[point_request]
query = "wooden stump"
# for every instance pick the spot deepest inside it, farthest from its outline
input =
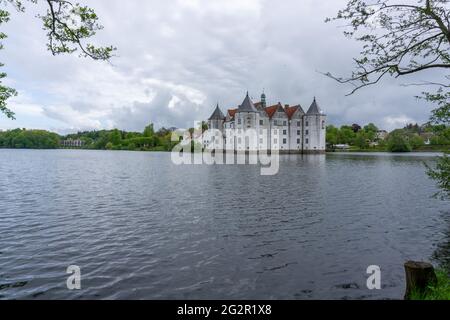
(419, 275)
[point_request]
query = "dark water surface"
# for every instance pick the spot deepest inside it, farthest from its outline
(142, 228)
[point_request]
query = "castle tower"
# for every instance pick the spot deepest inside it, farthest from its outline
(314, 130)
(247, 125)
(213, 139)
(263, 100)
(217, 119)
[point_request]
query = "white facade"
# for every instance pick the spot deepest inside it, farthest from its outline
(256, 127)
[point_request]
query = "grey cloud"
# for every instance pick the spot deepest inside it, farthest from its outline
(211, 51)
(157, 111)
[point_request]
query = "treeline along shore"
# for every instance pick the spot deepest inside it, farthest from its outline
(148, 140)
(412, 137)
(347, 137)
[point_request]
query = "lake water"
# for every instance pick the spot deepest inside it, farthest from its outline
(140, 227)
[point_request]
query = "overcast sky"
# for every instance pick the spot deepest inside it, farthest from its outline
(177, 59)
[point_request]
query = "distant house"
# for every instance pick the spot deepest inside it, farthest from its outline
(426, 136)
(71, 143)
(382, 135)
(342, 146)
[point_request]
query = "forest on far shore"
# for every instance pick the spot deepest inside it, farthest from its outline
(411, 138)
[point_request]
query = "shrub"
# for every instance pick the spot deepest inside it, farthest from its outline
(398, 142)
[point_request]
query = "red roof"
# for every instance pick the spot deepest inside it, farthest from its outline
(271, 110)
(232, 112)
(290, 111)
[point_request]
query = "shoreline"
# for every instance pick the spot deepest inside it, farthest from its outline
(442, 151)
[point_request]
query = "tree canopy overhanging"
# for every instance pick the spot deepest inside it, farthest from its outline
(402, 38)
(398, 38)
(68, 25)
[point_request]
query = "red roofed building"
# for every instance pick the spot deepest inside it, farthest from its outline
(258, 127)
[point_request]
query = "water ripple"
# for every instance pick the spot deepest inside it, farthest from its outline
(142, 228)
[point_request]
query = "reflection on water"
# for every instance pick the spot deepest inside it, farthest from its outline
(142, 228)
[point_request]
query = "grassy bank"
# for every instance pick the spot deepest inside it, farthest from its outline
(441, 291)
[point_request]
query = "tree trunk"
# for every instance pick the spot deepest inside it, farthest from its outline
(419, 275)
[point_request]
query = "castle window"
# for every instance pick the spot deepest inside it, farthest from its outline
(275, 122)
(323, 125)
(284, 123)
(284, 141)
(275, 131)
(298, 124)
(307, 124)
(307, 141)
(284, 132)
(298, 141)
(298, 132)
(307, 132)
(261, 122)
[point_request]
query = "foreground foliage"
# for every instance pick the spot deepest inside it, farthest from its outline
(69, 26)
(441, 174)
(440, 291)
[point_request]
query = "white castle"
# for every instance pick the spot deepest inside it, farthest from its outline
(254, 127)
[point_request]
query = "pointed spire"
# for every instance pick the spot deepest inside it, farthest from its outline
(217, 114)
(247, 105)
(314, 109)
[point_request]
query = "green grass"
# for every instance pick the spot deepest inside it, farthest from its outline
(441, 291)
